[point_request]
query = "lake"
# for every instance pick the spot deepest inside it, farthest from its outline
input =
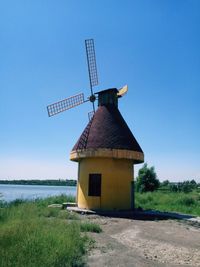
(12, 192)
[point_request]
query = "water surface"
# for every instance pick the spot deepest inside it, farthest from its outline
(11, 192)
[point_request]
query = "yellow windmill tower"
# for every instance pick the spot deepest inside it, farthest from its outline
(106, 151)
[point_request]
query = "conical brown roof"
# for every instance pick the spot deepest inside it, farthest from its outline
(107, 130)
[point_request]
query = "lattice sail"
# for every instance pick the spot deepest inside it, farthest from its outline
(65, 104)
(91, 59)
(90, 115)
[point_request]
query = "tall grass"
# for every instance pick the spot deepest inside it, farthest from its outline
(36, 236)
(90, 227)
(168, 201)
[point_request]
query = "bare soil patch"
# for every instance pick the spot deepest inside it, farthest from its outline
(141, 243)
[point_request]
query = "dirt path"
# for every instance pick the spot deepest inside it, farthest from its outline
(128, 242)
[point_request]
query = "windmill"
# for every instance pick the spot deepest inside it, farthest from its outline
(79, 99)
(106, 151)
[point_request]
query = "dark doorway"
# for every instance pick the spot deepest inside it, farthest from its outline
(94, 188)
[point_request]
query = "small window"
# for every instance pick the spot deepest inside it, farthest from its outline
(94, 188)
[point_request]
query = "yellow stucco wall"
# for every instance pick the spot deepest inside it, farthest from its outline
(116, 178)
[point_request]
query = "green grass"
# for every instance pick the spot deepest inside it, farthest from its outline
(90, 227)
(34, 235)
(188, 203)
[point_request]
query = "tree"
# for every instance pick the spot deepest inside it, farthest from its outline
(165, 183)
(147, 179)
(186, 186)
(173, 187)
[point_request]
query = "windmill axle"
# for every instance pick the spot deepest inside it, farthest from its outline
(92, 98)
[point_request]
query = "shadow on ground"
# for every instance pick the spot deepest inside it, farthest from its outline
(137, 214)
(149, 215)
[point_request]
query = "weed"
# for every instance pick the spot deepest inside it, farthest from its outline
(64, 214)
(90, 227)
(29, 238)
(51, 212)
(170, 201)
(187, 201)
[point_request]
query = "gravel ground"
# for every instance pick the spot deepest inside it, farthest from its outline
(141, 243)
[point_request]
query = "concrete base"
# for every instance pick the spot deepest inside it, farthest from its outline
(136, 214)
(65, 205)
(81, 211)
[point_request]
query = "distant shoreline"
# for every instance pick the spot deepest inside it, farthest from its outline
(40, 182)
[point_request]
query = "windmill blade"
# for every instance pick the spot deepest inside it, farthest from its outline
(90, 115)
(122, 91)
(91, 60)
(65, 104)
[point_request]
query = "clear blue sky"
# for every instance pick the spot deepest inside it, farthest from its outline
(153, 46)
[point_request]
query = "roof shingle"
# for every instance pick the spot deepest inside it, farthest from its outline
(107, 129)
